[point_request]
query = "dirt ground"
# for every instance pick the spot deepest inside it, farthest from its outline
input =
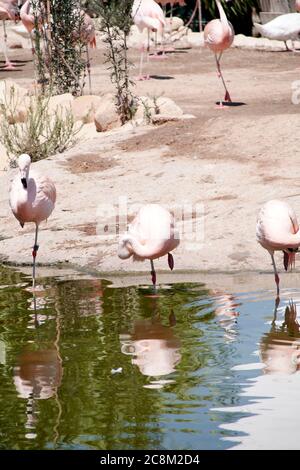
(224, 163)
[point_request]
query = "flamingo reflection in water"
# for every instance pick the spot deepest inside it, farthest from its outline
(37, 376)
(280, 348)
(155, 349)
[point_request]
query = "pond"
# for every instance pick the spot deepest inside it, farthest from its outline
(85, 365)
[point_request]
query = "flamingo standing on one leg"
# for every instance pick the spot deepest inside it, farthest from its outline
(151, 235)
(8, 11)
(147, 14)
(32, 199)
(218, 36)
(277, 229)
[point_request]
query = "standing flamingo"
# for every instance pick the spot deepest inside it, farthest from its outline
(27, 16)
(163, 3)
(277, 229)
(147, 14)
(8, 11)
(32, 199)
(218, 36)
(282, 28)
(151, 235)
(88, 36)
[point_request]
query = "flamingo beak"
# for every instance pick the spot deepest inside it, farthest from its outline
(24, 182)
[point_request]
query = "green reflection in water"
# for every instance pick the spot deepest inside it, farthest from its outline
(85, 365)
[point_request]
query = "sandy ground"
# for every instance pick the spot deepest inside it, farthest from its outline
(224, 164)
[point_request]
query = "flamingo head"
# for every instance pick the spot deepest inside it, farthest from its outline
(24, 162)
(125, 248)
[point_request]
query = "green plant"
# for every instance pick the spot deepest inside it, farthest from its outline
(59, 45)
(115, 25)
(42, 134)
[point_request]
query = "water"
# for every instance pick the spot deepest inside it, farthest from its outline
(89, 366)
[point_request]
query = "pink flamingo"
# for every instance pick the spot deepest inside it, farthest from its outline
(32, 199)
(8, 11)
(218, 36)
(151, 235)
(27, 17)
(277, 229)
(88, 36)
(163, 3)
(147, 14)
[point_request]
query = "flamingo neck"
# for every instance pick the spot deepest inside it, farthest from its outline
(222, 13)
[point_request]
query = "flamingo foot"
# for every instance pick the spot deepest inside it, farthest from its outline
(142, 78)
(9, 66)
(220, 105)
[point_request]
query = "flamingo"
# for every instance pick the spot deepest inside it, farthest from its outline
(163, 3)
(147, 14)
(218, 36)
(8, 11)
(151, 235)
(282, 28)
(88, 36)
(32, 199)
(277, 229)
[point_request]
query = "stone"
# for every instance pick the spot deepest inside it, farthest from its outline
(106, 116)
(60, 103)
(168, 107)
(174, 24)
(84, 107)
(159, 119)
(196, 39)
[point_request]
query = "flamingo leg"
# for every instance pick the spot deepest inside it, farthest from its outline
(141, 77)
(34, 253)
(276, 305)
(153, 274)
(275, 273)
(227, 97)
(88, 66)
(8, 64)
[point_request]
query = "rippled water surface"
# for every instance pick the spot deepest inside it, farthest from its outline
(85, 365)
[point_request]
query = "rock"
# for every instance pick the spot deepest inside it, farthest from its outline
(8, 88)
(158, 119)
(84, 107)
(168, 107)
(61, 103)
(175, 24)
(15, 100)
(106, 116)
(145, 107)
(157, 110)
(196, 39)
